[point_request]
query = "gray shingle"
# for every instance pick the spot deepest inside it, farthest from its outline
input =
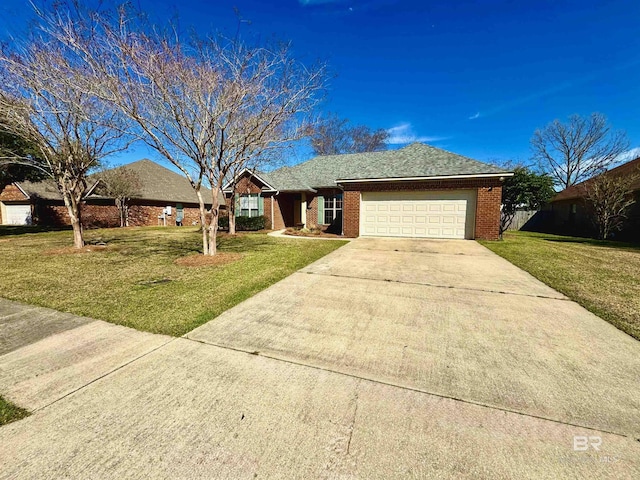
(415, 160)
(157, 183)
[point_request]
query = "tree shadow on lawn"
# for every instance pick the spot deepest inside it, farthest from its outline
(184, 242)
(595, 243)
(14, 230)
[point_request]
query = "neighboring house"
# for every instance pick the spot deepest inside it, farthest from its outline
(417, 191)
(164, 197)
(570, 214)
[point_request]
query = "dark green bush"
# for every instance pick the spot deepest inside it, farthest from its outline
(244, 223)
(223, 222)
(251, 223)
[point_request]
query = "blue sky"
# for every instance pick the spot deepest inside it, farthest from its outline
(476, 77)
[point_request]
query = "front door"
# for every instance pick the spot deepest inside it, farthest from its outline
(297, 210)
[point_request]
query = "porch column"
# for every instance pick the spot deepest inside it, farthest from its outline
(303, 208)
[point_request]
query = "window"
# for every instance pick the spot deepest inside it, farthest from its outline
(332, 208)
(249, 205)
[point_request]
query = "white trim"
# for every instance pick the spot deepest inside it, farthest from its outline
(23, 192)
(436, 177)
(253, 174)
(91, 189)
(303, 208)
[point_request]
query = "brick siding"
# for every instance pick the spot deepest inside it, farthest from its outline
(107, 216)
(11, 193)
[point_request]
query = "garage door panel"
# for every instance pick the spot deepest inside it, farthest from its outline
(17, 214)
(435, 214)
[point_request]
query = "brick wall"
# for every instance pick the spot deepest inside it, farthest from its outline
(11, 193)
(488, 212)
(351, 213)
(487, 205)
(106, 216)
(101, 213)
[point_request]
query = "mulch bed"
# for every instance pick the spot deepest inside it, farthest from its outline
(199, 260)
(298, 233)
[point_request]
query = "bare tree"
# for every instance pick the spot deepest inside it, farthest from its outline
(608, 198)
(122, 184)
(367, 140)
(43, 102)
(333, 136)
(209, 106)
(575, 151)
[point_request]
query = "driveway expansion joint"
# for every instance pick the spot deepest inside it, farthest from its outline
(435, 285)
(100, 377)
(406, 388)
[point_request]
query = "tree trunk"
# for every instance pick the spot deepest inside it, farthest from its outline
(203, 223)
(213, 226)
(232, 210)
(232, 219)
(120, 205)
(73, 208)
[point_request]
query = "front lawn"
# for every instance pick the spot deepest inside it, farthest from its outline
(604, 277)
(142, 279)
(10, 413)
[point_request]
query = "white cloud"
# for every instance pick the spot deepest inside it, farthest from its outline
(403, 134)
(474, 116)
(627, 156)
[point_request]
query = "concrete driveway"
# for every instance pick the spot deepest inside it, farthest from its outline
(384, 359)
(448, 318)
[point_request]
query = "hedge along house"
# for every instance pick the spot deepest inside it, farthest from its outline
(417, 191)
(164, 198)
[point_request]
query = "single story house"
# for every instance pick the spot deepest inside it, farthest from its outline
(570, 212)
(163, 198)
(417, 191)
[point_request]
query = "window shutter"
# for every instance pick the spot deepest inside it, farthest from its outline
(260, 205)
(236, 200)
(320, 210)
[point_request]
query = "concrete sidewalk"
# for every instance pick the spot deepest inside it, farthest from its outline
(53, 354)
(190, 410)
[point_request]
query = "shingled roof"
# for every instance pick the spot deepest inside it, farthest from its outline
(415, 160)
(163, 185)
(157, 183)
(578, 190)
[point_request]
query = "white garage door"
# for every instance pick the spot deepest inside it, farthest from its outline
(433, 214)
(17, 214)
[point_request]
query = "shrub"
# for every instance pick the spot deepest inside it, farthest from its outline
(244, 223)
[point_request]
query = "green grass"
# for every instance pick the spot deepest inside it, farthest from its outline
(135, 280)
(10, 413)
(602, 276)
